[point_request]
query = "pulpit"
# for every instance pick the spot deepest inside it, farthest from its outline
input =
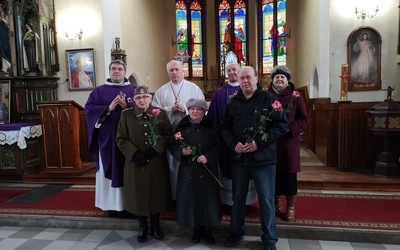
(64, 138)
(384, 121)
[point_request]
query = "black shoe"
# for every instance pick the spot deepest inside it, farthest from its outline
(208, 236)
(157, 233)
(112, 213)
(269, 247)
(197, 233)
(142, 235)
(155, 227)
(233, 240)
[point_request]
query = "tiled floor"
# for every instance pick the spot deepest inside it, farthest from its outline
(26, 238)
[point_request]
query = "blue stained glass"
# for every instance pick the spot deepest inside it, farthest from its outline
(196, 14)
(240, 13)
(282, 5)
(189, 46)
(224, 13)
(268, 8)
(181, 14)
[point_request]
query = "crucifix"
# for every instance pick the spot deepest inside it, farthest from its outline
(344, 85)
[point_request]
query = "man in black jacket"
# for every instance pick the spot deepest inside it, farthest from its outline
(252, 123)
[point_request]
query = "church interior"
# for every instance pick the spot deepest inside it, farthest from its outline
(354, 123)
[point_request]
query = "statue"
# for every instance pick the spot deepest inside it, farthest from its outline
(118, 53)
(117, 44)
(389, 92)
(31, 51)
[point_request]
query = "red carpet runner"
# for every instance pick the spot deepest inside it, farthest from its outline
(325, 210)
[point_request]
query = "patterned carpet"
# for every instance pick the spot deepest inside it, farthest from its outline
(312, 208)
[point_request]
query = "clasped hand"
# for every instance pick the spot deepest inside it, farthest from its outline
(186, 151)
(178, 108)
(246, 148)
(118, 101)
(201, 159)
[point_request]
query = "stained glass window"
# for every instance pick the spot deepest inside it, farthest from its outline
(274, 34)
(189, 38)
(233, 33)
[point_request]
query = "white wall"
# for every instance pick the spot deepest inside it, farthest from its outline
(342, 22)
(308, 44)
(146, 36)
(71, 16)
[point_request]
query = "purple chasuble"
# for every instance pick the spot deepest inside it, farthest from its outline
(216, 110)
(103, 138)
(219, 101)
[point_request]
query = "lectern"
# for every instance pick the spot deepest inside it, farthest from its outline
(64, 140)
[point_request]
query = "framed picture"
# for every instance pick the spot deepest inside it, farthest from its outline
(5, 111)
(81, 69)
(364, 59)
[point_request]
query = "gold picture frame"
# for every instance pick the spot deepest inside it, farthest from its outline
(364, 59)
(81, 69)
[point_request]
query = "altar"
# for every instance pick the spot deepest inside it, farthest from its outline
(20, 149)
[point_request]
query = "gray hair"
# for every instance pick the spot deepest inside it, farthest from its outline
(172, 61)
(236, 65)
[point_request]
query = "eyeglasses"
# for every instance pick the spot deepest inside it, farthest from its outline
(144, 97)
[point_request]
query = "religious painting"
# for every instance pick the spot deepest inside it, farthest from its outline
(81, 69)
(5, 111)
(364, 59)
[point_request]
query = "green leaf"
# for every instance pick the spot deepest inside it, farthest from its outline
(264, 137)
(263, 119)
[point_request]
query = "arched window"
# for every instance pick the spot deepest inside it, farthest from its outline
(190, 26)
(272, 34)
(232, 23)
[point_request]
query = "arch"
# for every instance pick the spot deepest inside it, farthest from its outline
(133, 79)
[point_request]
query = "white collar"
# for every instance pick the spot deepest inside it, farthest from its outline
(234, 84)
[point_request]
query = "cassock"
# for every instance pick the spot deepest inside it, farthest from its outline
(102, 127)
(216, 110)
(166, 97)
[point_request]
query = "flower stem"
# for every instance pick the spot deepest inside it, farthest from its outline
(212, 175)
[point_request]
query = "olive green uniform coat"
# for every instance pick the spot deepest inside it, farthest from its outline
(146, 189)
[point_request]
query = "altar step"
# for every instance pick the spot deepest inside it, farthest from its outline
(86, 176)
(311, 177)
(314, 175)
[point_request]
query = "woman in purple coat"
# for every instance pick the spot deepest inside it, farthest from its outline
(288, 147)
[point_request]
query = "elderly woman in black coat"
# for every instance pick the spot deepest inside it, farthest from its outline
(197, 147)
